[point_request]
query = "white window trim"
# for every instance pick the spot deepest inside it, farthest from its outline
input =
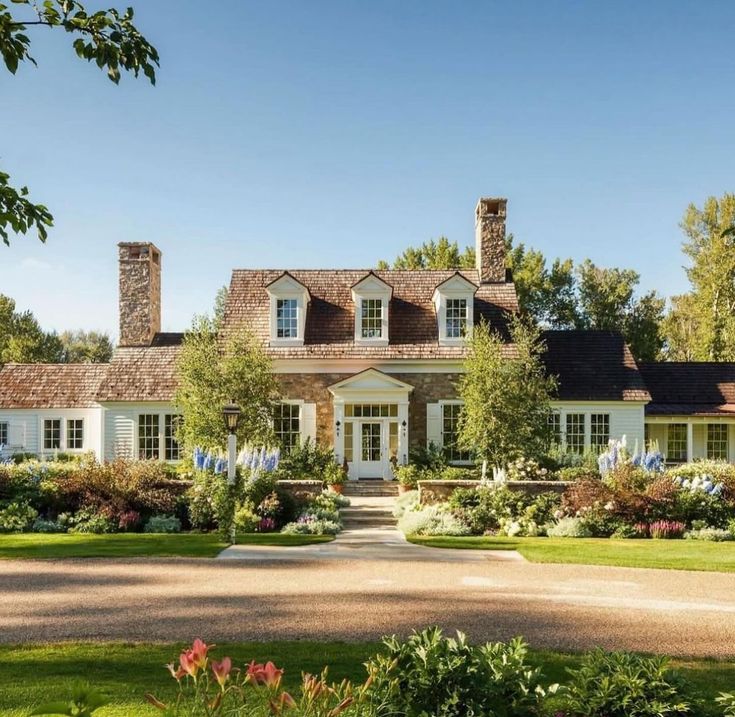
(65, 434)
(300, 403)
(457, 287)
(372, 287)
(450, 402)
(7, 432)
(161, 434)
(62, 434)
(285, 288)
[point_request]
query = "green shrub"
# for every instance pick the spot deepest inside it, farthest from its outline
(88, 521)
(331, 499)
(246, 519)
(430, 458)
(16, 517)
(621, 684)
(47, 526)
(455, 473)
(568, 528)
(312, 527)
(429, 675)
(307, 460)
(409, 475)
(163, 524)
(334, 474)
(206, 499)
(575, 473)
(727, 701)
(714, 535)
(432, 520)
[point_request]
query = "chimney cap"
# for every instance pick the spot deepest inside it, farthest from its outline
(491, 207)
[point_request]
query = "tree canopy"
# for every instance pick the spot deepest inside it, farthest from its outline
(107, 38)
(22, 340)
(85, 347)
(507, 399)
(439, 254)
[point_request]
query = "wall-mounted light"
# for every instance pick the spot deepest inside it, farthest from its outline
(403, 428)
(337, 425)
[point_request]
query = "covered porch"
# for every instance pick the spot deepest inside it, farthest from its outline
(685, 438)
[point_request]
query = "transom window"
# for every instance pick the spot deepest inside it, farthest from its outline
(717, 441)
(599, 430)
(3, 433)
(51, 434)
(371, 318)
(74, 434)
(149, 440)
(287, 425)
(171, 423)
(371, 410)
(676, 442)
(287, 325)
(456, 318)
(575, 432)
(450, 431)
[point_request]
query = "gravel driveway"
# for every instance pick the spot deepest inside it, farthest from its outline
(555, 606)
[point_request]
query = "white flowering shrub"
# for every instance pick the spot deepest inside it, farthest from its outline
(431, 520)
(569, 528)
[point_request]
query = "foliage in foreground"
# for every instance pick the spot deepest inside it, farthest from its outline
(426, 675)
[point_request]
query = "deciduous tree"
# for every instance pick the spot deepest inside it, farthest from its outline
(439, 254)
(22, 340)
(107, 38)
(85, 347)
(506, 397)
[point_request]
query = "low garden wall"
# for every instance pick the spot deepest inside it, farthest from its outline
(302, 488)
(438, 491)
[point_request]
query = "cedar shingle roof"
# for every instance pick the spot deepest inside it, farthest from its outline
(329, 332)
(142, 374)
(50, 385)
(593, 366)
(681, 388)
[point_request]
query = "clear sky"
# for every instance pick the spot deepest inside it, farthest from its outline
(334, 133)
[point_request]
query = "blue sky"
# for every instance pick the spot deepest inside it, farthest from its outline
(309, 134)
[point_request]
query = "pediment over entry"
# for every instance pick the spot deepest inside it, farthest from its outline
(370, 381)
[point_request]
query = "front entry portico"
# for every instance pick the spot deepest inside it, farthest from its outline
(371, 424)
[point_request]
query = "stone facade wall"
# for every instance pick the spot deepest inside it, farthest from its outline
(490, 239)
(437, 491)
(140, 293)
(313, 388)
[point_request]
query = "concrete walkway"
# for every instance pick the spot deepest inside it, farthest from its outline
(371, 534)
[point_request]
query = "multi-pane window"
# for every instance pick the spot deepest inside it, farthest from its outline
(456, 318)
(599, 430)
(149, 439)
(450, 431)
(287, 425)
(287, 326)
(349, 438)
(371, 319)
(574, 434)
(171, 422)
(371, 410)
(51, 434)
(717, 441)
(676, 442)
(74, 434)
(555, 428)
(3, 433)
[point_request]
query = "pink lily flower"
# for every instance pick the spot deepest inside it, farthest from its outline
(221, 670)
(199, 652)
(267, 674)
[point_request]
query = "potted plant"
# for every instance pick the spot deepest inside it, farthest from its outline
(408, 477)
(334, 476)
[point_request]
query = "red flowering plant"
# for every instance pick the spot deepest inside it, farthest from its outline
(211, 688)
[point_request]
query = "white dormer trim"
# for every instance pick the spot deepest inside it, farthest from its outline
(286, 288)
(459, 288)
(372, 288)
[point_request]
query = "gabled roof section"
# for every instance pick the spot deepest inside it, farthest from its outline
(593, 366)
(141, 374)
(287, 283)
(40, 385)
(690, 388)
(370, 380)
(330, 321)
(371, 283)
(457, 282)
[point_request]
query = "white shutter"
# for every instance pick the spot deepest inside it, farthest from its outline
(434, 424)
(308, 421)
(17, 435)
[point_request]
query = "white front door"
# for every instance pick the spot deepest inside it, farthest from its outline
(371, 442)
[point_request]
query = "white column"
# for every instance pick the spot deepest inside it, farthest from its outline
(690, 441)
(403, 434)
(339, 433)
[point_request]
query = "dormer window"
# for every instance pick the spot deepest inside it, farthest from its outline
(371, 296)
(289, 302)
(454, 303)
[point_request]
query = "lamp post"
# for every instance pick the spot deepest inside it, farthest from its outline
(231, 413)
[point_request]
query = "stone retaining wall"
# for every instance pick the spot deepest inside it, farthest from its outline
(302, 488)
(437, 491)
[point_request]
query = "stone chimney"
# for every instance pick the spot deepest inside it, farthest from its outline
(140, 293)
(490, 239)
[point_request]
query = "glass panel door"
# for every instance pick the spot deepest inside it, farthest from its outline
(371, 449)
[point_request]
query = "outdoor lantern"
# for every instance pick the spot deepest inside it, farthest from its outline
(338, 424)
(403, 426)
(231, 413)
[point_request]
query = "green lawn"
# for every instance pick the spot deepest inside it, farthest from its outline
(136, 545)
(671, 554)
(125, 672)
